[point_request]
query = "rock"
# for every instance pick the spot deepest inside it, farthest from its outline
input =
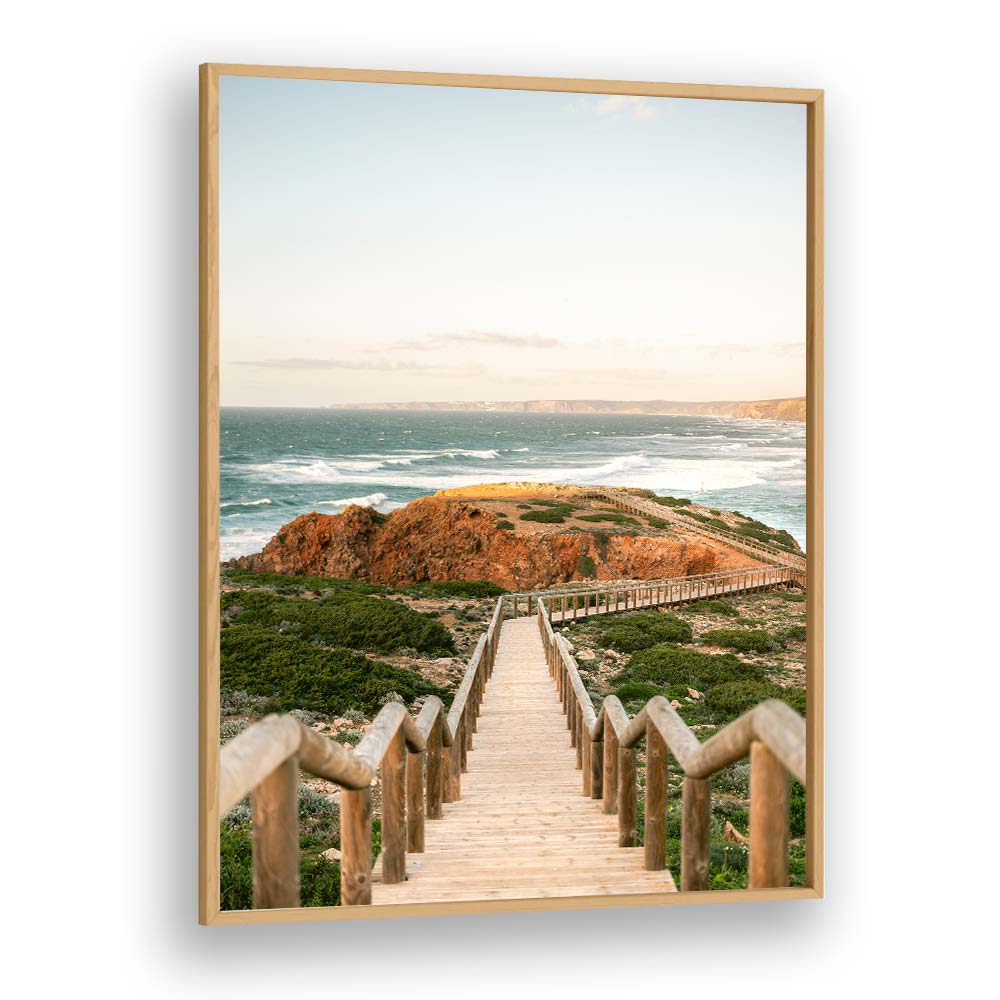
(694, 694)
(331, 854)
(586, 654)
(451, 538)
(675, 704)
(733, 835)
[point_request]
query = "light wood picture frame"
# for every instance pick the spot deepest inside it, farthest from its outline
(405, 744)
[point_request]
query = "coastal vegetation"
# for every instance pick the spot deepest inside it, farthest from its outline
(332, 651)
(550, 512)
(708, 689)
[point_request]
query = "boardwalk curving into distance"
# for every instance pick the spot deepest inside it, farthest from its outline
(523, 828)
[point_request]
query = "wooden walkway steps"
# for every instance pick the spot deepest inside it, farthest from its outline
(522, 828)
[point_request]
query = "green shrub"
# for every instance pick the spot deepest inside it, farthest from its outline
(235, 869)
(734, 779)
(586, 567)
(637, 691)
(794, 633)
(715, 607)
(351, 620)
(240, 703)
(743, 640)
(667, 665)
(672, 502)
(643, 630)
(792, 595)
(319, 879)
(797, 810)
(552, 513)
(295, 674)
(612, 515)
(657, 522)
(733, 698)
(505, 526)
(297, 584)
(455, 588)
(524, 506)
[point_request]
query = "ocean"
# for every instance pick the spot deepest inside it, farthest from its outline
(279, 463)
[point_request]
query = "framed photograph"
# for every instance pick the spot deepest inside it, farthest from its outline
(511, 534)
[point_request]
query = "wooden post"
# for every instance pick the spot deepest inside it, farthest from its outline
(655, 844)
(696, 810)
(563, 618)
(435, 771)
(465, 743)
(580, 739)
(610, 768)
(356, 847)
(275, 806)
(768, 819)
(415, 767)
(626, 797)
(597, 769)
(394, 810)
(585, 764)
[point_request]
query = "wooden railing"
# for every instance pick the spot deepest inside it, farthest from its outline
(640, 505)
(771, 734)
(607, 598)
(421, 761)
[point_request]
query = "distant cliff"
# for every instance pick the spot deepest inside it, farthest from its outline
(774, 409)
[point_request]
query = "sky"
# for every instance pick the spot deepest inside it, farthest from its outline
(387, 243)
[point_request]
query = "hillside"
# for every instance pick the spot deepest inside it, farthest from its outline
(515, 535)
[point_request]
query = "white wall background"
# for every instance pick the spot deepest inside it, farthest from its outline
(100, 131)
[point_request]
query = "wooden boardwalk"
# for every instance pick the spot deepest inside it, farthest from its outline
(522, 828)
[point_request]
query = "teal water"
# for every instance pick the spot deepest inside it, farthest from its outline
(279, 463)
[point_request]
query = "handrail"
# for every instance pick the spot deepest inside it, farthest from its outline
(652, 593)
(642, 506)
(772, 734)
(418, 774)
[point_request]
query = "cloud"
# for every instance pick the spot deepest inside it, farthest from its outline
(339, 364)
(439, 341)
(618, 106)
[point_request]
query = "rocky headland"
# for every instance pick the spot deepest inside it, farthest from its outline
(516, 535)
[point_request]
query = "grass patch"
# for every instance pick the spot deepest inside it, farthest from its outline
(672, 502)
(297, 584)
(733, 698)
(552, 513)
(505, 526)
(612, 516)
(794, 633)
(283, 584)
(636, 691)
(657, 522)
(291, 673)
(643, 630)
(586, 567)
(743, 640)
(715, 607)
(668, 666)
(350, 620)
(795, 596)
(455, 588)
(712, 522)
